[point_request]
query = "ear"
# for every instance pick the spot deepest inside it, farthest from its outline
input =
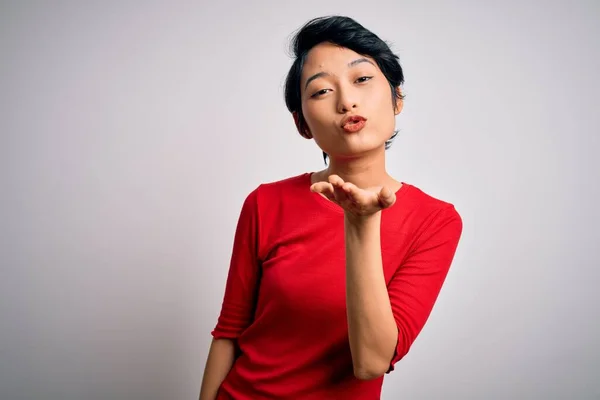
(303, 130)
(399, 101)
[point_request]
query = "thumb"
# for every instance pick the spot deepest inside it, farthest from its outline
(386, 197)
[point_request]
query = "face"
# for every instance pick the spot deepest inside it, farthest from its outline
(338, 83)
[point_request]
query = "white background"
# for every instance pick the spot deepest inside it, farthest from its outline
(132, 131)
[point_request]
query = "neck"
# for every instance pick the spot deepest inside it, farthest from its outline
(366, 171)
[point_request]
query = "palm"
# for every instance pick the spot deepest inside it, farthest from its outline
(354, 200)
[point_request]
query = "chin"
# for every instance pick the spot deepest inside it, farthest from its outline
(350, 151)
(362, 144)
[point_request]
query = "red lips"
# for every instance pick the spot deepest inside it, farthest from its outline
(353, 123)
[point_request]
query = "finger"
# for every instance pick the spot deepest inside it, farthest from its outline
(335, 180)
(337, 183)
(353, 192)
(323, 188)
(387, 198)
(340, 194)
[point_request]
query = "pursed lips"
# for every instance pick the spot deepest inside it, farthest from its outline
(353, 123)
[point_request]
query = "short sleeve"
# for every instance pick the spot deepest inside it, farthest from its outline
(416, 284)
(239, 300)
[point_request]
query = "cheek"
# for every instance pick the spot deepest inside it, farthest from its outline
(383, 96)
(385, 127)
(384, 109)
(316, 115)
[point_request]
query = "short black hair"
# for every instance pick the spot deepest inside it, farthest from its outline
(345, 32)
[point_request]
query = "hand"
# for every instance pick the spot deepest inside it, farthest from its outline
(356, 201)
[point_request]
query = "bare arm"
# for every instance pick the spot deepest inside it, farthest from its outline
(372, 330)
(218, 364)
(237, 310)
(385, 318)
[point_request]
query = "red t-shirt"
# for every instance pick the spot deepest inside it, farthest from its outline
(285, 302)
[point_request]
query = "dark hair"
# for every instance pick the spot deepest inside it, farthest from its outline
(344, 32)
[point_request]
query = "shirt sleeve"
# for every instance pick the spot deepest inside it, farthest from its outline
(416, 284)
(237, 310)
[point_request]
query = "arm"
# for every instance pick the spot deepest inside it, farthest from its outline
(383, 321)
(372, 330)
(218, 364)
(239, 300)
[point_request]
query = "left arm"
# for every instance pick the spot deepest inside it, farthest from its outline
(372, 329)
(384, 319)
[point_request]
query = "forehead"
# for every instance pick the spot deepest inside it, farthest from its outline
(328, 57)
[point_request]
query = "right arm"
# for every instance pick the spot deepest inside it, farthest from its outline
(237, 311)
(220, 360)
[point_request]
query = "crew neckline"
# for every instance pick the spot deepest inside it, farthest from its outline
(332, 206)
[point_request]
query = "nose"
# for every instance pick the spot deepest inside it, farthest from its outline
(346, 101)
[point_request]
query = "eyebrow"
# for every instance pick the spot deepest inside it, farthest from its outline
(322, 74)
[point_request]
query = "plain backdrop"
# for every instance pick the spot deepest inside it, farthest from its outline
(131, 132)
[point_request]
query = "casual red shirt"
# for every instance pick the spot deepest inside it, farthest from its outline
(285, 303)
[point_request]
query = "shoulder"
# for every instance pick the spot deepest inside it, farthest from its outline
(424, 200)
(276, 206)
(280, 190)
(296, 182)
(423, 203)
(269, 196)
(425, 212)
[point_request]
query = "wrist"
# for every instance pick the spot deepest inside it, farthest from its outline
(361, 222)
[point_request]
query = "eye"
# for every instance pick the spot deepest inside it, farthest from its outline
(320, 92)
(363, 79)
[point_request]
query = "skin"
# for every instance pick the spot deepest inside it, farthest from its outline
(356, 179)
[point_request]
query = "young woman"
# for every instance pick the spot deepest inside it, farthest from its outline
(333, 273)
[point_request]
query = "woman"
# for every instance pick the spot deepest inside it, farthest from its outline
(334, 273)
